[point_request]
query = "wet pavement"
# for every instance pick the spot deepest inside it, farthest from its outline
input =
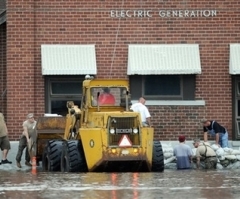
(187, 184)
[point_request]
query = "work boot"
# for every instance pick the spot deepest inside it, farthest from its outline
(28, 164)
(6, 161)
(19, 165)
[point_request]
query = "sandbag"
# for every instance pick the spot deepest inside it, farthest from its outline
(168, 155)
(230, 157)
(235, 152)
(215, 147)
(169, 160)
(227, 150)
(220, 152)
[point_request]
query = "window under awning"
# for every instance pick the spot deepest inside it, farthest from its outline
(163, 59)
(234, 60)
(68, 60)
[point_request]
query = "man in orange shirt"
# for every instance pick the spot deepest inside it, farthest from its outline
(106, 98)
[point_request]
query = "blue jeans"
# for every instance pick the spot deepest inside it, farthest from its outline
(223, 140)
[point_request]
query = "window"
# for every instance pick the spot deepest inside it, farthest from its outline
(59, 106)
(71, 87)
(108, 96)
(163, 87)
(61, 89)
(236, 107)
(168, 85)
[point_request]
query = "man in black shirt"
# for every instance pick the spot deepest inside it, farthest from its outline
(219, 132)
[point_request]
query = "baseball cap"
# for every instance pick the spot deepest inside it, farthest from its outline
(181, 138)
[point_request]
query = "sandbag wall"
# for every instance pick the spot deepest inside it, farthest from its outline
(228, 158)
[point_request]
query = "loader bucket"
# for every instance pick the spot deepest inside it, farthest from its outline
(47, 128)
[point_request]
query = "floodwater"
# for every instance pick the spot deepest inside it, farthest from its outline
(187, 184)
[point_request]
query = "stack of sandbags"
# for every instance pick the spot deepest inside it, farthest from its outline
(227, 157)
(169, 159)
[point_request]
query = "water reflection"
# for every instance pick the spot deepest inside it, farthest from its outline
(170, 184)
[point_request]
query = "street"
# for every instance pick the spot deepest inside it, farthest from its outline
(187, 184)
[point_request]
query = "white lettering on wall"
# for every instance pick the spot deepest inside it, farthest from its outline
(162, 13)
(187, 13)
(130, 13)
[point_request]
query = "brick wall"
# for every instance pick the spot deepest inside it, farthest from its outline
(32, 23)
(20, 64)
(171, 121)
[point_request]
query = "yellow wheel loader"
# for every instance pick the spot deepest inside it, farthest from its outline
(103, 135)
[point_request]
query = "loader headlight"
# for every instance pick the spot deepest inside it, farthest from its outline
(135, 150)
(135, 131)
(112, 131)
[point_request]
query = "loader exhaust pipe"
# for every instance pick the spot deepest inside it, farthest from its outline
(127, 107)
(98, 101)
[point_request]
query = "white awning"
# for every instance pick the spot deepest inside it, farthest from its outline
(163, 59)
(234, 60)
(68, 60)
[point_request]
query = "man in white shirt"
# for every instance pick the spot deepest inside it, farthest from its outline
(143, 110)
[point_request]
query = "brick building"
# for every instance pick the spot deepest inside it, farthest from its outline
(183, 56)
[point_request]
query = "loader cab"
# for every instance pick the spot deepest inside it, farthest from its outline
(104, 96)
(107, 96)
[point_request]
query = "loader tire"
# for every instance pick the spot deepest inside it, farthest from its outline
(73, 158)
(51, 159)
(158, 158)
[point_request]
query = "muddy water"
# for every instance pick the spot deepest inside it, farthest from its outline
(189, 184)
